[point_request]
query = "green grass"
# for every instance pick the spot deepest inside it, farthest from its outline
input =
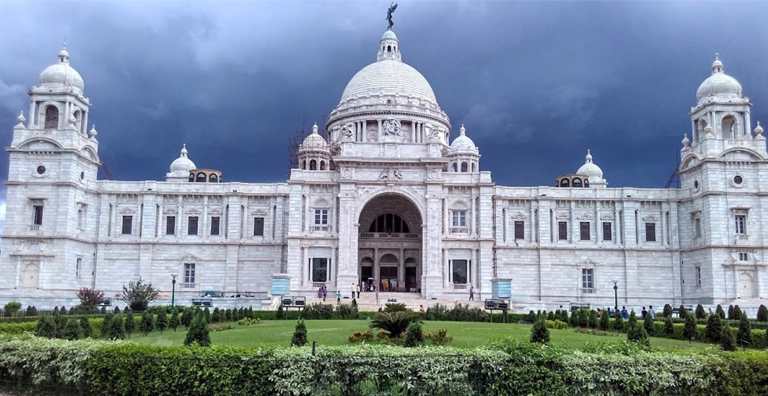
(335, 332)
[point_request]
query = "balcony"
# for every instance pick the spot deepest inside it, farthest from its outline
(587, 291)
(34, 227)
(459, 286)
(459, 230)
(319, 228)
(389, 235)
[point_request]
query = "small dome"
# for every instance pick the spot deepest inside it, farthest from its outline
(591, 170)
(182, 165)
(389, 35)
(718, 84)
(463, 142)
(61, 73)
(314, 140)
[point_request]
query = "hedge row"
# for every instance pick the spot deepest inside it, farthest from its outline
(504, 368)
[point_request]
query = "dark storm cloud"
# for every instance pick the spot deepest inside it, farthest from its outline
(535, 83)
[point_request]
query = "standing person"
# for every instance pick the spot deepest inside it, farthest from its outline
(319, 292)
(353, 287)
(338, 297)
(609, 312)
(624, 313)
(325, 293)
(358, 290)
(643, 313)
(421, 308)
(652, 312)
(471, 293)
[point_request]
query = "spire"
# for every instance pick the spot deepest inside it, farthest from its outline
(589, 157)
(463, 131)
(21, 119)
(184, 150)
(314, 129)
(64, 54)
(717, 66)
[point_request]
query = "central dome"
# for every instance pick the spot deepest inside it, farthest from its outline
(389, 76)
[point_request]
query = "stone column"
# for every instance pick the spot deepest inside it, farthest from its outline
(598, 225)
(376, 271)
(31, 114)
(348, 235)
(431, 281)
(747, 125)
(205, 231)
(401, 270)
(379, 130)
(179, 216)
(84, 122)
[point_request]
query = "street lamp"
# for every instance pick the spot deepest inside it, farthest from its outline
(173, 292)
(615, 296)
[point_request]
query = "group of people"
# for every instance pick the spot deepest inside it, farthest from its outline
(625, 314)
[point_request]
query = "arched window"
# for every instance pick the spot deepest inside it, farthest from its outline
(389, 223)
(78, 119)
(51, 117)
(191, 177)
(304, 164)
(201, 177)
(312, 165)
(389, 48)
(565, 183)
(586, 182)
(455, 167)
(322, 165)
(576, 182)
(728, 127)
(463, 167)
(473, 167)
(213, 178)
(31, 275)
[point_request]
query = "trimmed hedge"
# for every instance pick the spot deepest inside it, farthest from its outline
(507, 367)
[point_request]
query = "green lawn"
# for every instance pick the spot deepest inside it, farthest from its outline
(336, 332)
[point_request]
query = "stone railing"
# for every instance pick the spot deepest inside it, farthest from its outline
(389, 235)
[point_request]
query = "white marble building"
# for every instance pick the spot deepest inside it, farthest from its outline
(389, 198)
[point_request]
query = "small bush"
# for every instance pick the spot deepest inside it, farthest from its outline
(539, 333)
(116, 328)
(299, 334)
(346, 311)
(443, 338)
(413, 335)
(737, 313)
(649, 326)
(667, 312)
(162, 321)
(700, 314)
(106, 325)
(730, 312)
(605, 323)
(719, 311)
(744, 335)
(86, 327)
(564, 316)
(618, 321)
(139, 294)
(175, 322)
(46, 327)
(669, 329)
(198, 333)
(219, 327)
(556, 324)
(714, 329)
(72, 330)
(318, 311)
(583, 318)
(762, 314)
(683, 311)
(207, 315)
(90, 298)
(216, 316)
(395, 307)
(593, 319)
(531, 318)
(361, 336)
(186, 318)
(280, 313)
(690, 331)
(727, 340)
(248, 321)
(147, 323)
(393, 323)
(11, 308)
(130, 324)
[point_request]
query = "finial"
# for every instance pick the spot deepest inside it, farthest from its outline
(589, 155)
(685, 141)
(20, 121)
(314, 129)
(92, 133)
(717, 56)
(759, 132)
(717, 66)
(463, 130)
(390, 11)
(64, 46)
(184, 150)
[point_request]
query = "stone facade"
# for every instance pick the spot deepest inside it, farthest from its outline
(384, 200)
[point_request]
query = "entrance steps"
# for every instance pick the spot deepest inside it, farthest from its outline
(367, 300)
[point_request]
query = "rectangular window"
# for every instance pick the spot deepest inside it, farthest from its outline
(650, 232)
(459, 218)
(258, 226)
(189, 275)
(519, 230)
(697, 227)
(192, 225)
(743, 256)
(80, 215)
(78, 267)
(607, 231)
(127, 225)
(562, 230)
(741, 224)
(584, 230)
(460, 271)
(215, 225)
(170, 225)
(698, 276)
(319, 269)
(588, 279)
(321, 217)
(38, 219)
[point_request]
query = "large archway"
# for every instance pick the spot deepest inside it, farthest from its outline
(390, 244)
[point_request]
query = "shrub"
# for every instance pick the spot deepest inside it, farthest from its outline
(531, 318)
(107, 324)
(90, 298)
(116, 328)
(321, 311)
(299, 334)
(583, 318)
(593, 319)
(648, 325)
(198, 333)
(683, 312)
(730, 312)
(564, 316)
(714, 329)
(690, 331)
(700, 314)
(103, 310)
(436, 312)
(466, 313)
(186, 318)
(147, 323)
(207, 315)
(347, 311)
(395, 307)
(130, 324)
(744, 335)
(31, 310)
(46, 327)
(139, 294)
(216, 316)
(86, 327)
(635, 332)
(228, 315)
(574, 319)
(539, 333)
(727, 340)
(393, 323)
(361, 336)
(162, 321)
(219, 327)
(280, 313)
(556, 324)
(737, 313)
(248, 321)
(117, 310)
(605, 323)
(667, 312)
(719, 311)
(413, 335)
(669, 329)
(762, 314)
(174, 323)
(618, 321)
(442, 338)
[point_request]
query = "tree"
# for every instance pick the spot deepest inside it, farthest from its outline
(207, 315)
(85, 325)
(669, 328)
(667, 312)
(117, 328)
(719, 311)
(550, 316)
(228, 315)
(683, 312)
(700, 314)
(72, 330)
(130, 324)
(413, 335)
(90, 298)
(737, 314)
(727, 340)
(574, 320)
(31, 310)
(564, 316)
(117, 310)
(393, 323)
(539, 333)
(281, 313)
(106, 325)
(744, 335)
(618, 321)
(103, 310)
(198, 333)
(583, 318)
(300, 333)
(174, 323)
(139, 294)
(11, 308)
(46, 327)
(63, 310)
(635, 332)
(762, 314)
(714, 329)
(216, 317)
(690, 332)
(186, 317)
(162, 321)
(147, 323)
(605, 323)
(730, 312)
(648, 325)
(531, 317)
(593, 319)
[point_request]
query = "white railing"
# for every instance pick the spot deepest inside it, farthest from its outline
(320, 228)
(389, 235)
(34, 227)
(588, 290)
(459, 230)
(188, 285)
(318, 284)
(459, 286)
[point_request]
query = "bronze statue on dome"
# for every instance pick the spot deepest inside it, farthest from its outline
(391, 11)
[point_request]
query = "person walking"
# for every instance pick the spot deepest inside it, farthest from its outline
(338, 297)
(471, 293)
(358, 290)
(325, 293)
(651, 312)
(643, 313)
(624, 313)
(353, 287)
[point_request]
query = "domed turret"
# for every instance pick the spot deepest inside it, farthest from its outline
(61, 74)
(463, 154)
(592, 171)
(718, 85)
(314, 153)
(180, 167)
(463, 142)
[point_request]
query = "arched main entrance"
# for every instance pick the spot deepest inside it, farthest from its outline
(31, 275)
(390, 244)
(746, 286)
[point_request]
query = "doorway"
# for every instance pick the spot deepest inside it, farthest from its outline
(388, 278)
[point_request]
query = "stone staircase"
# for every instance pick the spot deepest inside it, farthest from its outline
(367, 301)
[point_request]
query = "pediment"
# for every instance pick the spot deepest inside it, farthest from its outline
(587, 263)
(190, 258)
(650, 219)
(519, 216)
(127, 211)
(259, 212)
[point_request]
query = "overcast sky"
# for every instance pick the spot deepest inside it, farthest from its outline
(536, 84)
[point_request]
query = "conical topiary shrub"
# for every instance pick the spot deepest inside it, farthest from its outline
(540, 333)
(727, 340)
(413, 335)
(198, 333)
(299, 334)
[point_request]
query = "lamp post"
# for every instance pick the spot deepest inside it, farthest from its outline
(173, 293)
(615, 296)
